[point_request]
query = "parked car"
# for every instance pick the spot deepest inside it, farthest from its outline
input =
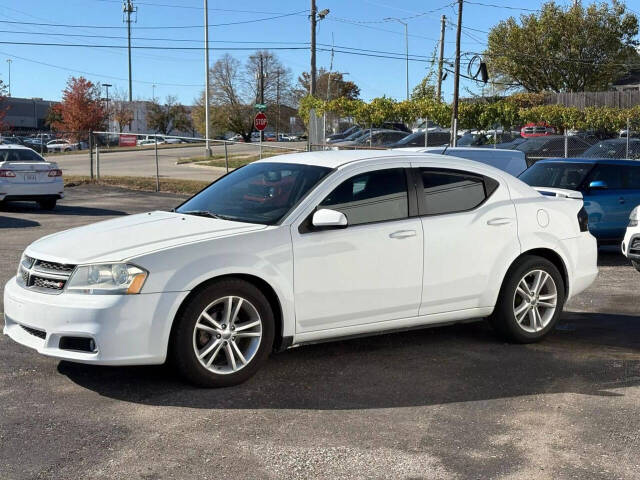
(364, 242)
(511, 145)
(510, 161)
(26, 176)
(610, 189)
(343, 135)
(12, 140)
(631, 241)
(37, 144)
(537, 130)
(417, 139)
(142, 143)
(61, 145)
(354, 136)
(394, 126)
(550, 146)
(377, 138)
(614, 148)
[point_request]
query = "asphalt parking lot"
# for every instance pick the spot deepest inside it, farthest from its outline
(448, 402)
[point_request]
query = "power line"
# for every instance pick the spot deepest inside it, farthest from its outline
(410, 17)
(151, 4)
(157, 27)
(137, 47)
(505, 7)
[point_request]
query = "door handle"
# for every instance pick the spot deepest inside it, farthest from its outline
(494, 222)
(400, 234)
(621, 200)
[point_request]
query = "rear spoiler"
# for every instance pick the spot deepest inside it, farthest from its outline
(560, 192)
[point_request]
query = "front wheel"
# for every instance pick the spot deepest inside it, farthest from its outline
(530, 300)
(224, 334)
(636, 264)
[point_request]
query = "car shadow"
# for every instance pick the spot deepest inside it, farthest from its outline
(611, 256)
(590, 354)
(12, 222)
(61, 209)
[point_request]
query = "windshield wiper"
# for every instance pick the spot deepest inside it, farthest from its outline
(205, 213)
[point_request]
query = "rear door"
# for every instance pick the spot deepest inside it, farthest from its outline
(470, 238)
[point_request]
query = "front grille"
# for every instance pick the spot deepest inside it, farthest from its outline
(35, 332)
(44, 276)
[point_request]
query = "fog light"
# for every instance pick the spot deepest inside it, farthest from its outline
(92, 345)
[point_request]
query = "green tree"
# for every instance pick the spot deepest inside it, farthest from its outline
(562, 48)
(167, 117)
(329, 86)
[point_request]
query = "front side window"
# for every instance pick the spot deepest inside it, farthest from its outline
(375, 196)
(261, 192)
(611, 175)
(451, 191)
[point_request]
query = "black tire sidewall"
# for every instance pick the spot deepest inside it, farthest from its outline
(503, 318)
(182, 351)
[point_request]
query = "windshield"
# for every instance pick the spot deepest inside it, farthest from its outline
(471, 139)
(258, 193)
(19, 155)
(556, 175)
(614, 149)
(356, 135)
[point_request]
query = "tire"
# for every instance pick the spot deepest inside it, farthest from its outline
(636, 264)
(526, 321)
(194, 332)
(48, 204)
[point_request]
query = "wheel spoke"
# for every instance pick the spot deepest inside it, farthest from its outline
(546, 304)
(227, 310)
(538, 317)
(203, 353)
(551, 296)
(521, 311)
(210, 319)
(214, 354)
(532, 319)
(234, 317)
(522, 286)
(238, 353)
(201, 326)
(246, 326)
(248, 334)
(230, 357)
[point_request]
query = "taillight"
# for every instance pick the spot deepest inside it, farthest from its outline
(55, 173)
(583, 220)
(7, 173)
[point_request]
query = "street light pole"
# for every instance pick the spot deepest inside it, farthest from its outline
(456, 81)
(406, 45)
(441, 58)
(206, 79)
(106, 86)
(9, 85)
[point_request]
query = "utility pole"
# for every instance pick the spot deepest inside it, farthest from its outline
(406, 45)
(312, 89)
(441, 59)
(207, 149)
(278, 72)
(314, 17)
(261, 74)
(9, 85)
(106, 86)
(456, 81)
(128, 9)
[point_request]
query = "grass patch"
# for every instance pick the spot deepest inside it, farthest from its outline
(171, 185)
(235, 161)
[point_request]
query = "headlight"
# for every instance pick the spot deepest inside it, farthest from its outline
(633, 218)
(107, 279)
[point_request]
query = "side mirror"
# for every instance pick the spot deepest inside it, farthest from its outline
(325, 218)
(598, 185)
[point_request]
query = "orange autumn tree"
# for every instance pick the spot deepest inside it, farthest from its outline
(80, 111)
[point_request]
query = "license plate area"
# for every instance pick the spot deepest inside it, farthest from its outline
(30, 177)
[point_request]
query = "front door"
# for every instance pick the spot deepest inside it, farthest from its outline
(370, 271)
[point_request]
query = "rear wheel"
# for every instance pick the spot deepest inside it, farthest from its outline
(224, 334)
(530, 300)
(48, 204)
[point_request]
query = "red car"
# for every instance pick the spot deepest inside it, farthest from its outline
(537, 130)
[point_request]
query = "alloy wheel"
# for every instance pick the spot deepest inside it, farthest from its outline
(227, 335)
(535, 301)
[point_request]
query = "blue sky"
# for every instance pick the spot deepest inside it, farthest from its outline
(42, 71)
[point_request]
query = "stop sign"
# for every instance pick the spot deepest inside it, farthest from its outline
(260, 122)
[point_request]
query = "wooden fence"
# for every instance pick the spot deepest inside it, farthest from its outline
(626, 99)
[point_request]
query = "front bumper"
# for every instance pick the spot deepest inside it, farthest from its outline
(631, 235)
(31, 191)
(126, 329)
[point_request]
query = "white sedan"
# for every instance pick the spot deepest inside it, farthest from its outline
(61, 146)
(303, 248)
(631, 242)
(25, 175)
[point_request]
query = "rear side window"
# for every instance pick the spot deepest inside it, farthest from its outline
(369, 197)
(19, 155)
(631, 176)
(451, 191)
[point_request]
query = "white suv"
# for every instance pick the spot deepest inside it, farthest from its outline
(631, 242)
(303, 248)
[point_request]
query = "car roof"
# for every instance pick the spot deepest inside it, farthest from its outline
(613, 161)
(14, 146)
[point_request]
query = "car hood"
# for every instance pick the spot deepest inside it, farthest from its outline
(130, 236)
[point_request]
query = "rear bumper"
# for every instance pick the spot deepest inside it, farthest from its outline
(31, 191)
(584, 262)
